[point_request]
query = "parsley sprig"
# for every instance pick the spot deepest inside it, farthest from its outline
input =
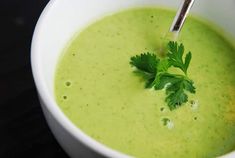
(155, 72)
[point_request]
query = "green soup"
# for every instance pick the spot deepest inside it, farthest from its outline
(97, 90)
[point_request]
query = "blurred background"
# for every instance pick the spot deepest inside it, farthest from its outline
(23, 129)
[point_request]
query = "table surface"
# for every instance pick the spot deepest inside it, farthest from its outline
(23, 129)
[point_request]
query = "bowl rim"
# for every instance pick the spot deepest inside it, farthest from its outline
(50, 102)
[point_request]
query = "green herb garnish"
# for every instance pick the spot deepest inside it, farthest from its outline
(155, 71)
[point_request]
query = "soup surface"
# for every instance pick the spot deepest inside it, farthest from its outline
(97, 90)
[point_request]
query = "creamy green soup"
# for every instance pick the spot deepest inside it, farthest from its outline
(97, 90)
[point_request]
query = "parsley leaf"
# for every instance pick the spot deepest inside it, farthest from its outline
(146, 66)
(155, 71)
(176, 87)
(146, 62)
(175, 54)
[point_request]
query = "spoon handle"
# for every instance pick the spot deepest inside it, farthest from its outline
(181, 15)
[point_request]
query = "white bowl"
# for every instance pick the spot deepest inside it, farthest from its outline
(58, 23)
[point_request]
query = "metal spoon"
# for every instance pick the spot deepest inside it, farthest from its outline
(177, 25)
(181, 16)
